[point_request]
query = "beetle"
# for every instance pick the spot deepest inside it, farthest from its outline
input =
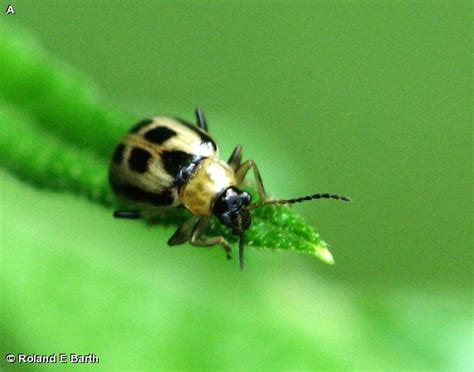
(165, 162)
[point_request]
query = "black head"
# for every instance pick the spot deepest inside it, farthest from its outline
(230, 208)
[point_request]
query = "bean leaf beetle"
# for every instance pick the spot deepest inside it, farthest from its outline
(165, 162)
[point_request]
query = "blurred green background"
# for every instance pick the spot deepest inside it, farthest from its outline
(368, 99)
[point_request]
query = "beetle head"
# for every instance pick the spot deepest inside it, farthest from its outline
(230, 208)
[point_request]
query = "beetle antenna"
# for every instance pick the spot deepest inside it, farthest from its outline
(300, 200)
(240, 231)
(241, 251)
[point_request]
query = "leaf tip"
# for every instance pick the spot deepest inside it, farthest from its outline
(322, 252)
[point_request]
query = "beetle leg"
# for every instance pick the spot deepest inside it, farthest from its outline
(241, 172)
(235, 158)
(198, 240)
(132, 214)
(183, 233)
(201, 119)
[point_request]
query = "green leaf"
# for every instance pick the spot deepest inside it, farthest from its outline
(58, 134)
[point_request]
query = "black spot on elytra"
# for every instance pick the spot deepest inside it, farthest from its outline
(186, 171)
(136, 194)
(159, 135)
(203, 135)
(138, 160)
(174, 161)
(118, 154)
(141, 124)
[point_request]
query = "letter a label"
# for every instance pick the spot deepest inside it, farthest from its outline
(10, 10)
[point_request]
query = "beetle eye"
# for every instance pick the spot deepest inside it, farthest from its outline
(246, 198)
